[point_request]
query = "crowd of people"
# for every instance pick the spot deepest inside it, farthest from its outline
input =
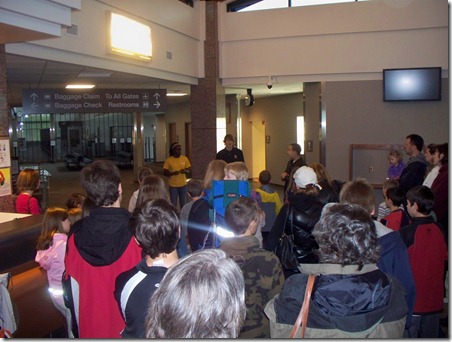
(214, 267)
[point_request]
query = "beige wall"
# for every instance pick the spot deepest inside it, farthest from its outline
(175, 27)
(347, 41)
(356, 114)
(178, 114)
(280, 115)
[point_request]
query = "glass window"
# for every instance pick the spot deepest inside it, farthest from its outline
(272, 4)
(300, 132)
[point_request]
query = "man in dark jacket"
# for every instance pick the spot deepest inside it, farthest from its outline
(99, 248)
(230, 153)
(414, 172)
(296, 161)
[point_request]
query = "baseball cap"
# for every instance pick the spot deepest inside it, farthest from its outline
(305, 175)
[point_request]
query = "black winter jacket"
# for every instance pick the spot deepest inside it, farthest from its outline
(306, 213)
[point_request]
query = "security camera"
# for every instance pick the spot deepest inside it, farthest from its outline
(270, 82)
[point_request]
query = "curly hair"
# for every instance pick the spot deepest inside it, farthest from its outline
(346, 235)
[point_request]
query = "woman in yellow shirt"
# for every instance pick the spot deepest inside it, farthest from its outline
(176, 167)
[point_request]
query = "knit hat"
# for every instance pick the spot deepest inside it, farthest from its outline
(304, 176)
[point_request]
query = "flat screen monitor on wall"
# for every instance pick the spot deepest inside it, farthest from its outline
(414, 84)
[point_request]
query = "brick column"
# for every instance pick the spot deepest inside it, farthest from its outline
(207, 99)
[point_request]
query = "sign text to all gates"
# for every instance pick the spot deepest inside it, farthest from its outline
(40, 101)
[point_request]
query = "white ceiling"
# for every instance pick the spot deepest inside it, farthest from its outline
(30, 73)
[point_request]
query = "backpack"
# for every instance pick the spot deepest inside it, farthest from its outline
(222, 193)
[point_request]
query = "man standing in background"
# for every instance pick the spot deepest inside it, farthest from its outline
(414, 172)
(296, 161)
(230, 153)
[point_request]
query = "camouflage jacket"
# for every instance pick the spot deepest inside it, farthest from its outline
(263, 276)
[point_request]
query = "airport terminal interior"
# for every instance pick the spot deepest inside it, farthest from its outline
(269, 72)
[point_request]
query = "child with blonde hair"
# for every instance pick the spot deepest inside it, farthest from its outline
(396, 164)
(51, 250)
(239, 171)
(236, 170)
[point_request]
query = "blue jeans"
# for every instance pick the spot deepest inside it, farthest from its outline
(178, 192)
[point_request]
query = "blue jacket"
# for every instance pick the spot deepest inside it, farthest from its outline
(395, 261)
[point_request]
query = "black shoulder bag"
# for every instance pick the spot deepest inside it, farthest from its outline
(284, 250)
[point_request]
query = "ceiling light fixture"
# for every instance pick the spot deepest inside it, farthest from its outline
(249, 97)
(176, 94)
(80, 86)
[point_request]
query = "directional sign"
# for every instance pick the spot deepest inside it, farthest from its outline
(42, 101)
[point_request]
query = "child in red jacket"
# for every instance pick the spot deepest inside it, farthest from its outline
(28, 182)
(427, 251)
(397, 218)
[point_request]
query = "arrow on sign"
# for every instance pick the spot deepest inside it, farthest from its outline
(157, 104)
(156, 96)
(34, 105)
(34, 96)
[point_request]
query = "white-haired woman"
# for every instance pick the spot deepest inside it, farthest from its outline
(202, 296)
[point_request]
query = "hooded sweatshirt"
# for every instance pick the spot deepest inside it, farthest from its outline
(414, 172)
(52, 260)
(99, 249)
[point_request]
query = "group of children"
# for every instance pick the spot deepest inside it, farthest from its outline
(164, 237)
(151, 221)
